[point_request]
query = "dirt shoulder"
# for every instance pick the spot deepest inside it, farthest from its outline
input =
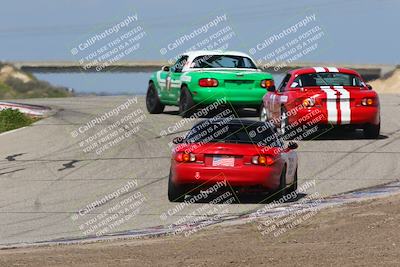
(390, 84)
(359, 234)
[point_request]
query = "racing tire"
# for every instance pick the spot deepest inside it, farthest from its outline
(185, 103)
(153, 103)
(284, 122)
(236, 111)
(293, 186)
(282, 183)
(372, 131)
(175, 193)
(263, 115)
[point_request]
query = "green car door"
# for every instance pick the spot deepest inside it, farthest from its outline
(170, 83)
(175, 79)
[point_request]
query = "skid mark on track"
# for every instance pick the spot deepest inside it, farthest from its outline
(68, 165)
(13, 171)
(12, 157)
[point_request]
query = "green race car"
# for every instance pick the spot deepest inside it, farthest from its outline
(200, 78)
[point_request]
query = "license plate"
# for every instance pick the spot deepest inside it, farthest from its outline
(223, 161)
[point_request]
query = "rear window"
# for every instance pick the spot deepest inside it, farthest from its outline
(223, 61)
(327, 79)
(257, 133)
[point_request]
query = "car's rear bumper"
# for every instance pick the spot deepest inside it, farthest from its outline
(358, 116)
(238, 176)
(237, 97)
(365, 115)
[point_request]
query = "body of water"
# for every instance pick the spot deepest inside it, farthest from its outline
(107, 83)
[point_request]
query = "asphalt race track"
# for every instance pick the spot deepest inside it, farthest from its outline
(46, 177)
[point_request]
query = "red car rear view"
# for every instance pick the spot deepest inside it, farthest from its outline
(245, 154)
(324, 96)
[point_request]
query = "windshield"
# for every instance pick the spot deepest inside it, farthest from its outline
(257, 133)
(223, 61)
(327, 78)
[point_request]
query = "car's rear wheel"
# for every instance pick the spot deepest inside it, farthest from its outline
(185, 103)
(263, 113)
(282, 183)
(153, 103)
(372, 131)
(284, 121)
(175, 193)
(236, 111)
(293, 186)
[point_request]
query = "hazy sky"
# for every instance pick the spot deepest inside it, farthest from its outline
(358, 31)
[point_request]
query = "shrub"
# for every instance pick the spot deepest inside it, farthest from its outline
(11, 119)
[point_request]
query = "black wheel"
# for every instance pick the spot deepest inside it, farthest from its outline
(293, 186)
(175, 193)
(236, 111)
(282, 184)
(284, 122)
(372, 131)
(185, 103)
(263, 113)
(153, 104)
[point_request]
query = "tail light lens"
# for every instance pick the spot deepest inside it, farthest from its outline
(185, 157)
(208, 82)
(368, 101)
(308, 102)
(267, 83)
(262, 160)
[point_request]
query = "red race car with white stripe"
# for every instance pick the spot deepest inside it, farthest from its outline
(324, 96)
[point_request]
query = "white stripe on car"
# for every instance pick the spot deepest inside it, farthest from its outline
(331, 104)
(319, 69)
(332, 69)
(344, 100)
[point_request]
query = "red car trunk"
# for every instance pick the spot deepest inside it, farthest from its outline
(227, 161)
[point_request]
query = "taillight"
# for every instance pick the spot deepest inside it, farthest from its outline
(309, 102)
(185, 157)
(368, 101)
(262, 160)
(267, 83)
(208, 82)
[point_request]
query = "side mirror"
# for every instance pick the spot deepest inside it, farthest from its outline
(271, 89)
(177, 140)
(369, 86)
(293, 145)
(165, 68)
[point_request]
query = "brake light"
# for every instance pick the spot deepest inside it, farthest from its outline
(308, 102)
(262, 160)
(267, 83)
(367, 101)
(208, 82)
(185, 157)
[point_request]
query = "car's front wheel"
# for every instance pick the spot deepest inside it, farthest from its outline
(372, 131)
(153, 103)
(185, 103)
(176, 193)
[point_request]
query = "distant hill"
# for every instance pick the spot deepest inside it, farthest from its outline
(15, 83)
